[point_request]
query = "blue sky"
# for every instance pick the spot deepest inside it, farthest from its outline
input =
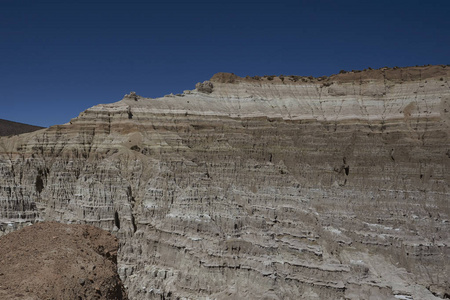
(59, 58)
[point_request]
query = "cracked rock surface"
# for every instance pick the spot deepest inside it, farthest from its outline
(275, 187)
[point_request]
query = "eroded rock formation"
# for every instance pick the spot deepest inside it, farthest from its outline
(281, 187)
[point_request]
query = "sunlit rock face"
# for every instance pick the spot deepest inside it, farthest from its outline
(267, 188)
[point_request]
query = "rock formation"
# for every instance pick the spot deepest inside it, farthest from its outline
(275, 187)
(57, 261)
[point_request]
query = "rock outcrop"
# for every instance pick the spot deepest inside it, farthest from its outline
(57, 261)
(276, 187)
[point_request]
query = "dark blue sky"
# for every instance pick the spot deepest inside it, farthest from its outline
(59, 58)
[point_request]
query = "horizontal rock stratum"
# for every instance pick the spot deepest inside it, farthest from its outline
(280, 187)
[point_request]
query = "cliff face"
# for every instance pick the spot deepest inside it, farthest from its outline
(279, 187)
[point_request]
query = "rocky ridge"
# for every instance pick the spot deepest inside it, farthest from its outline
(275, 187)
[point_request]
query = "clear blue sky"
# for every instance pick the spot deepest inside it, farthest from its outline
(59, 58)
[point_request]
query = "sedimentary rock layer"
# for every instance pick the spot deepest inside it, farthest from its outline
(276, 187)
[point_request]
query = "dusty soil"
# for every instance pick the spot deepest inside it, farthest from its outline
(57, 261)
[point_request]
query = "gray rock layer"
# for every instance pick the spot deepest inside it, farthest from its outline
(264, 189)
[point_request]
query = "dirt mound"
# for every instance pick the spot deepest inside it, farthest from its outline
(57, 261)
(10, 128)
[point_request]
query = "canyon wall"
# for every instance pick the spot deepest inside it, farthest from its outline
(265, 188)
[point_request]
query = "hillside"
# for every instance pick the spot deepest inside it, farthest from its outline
(56, 261)
(11, 128)
(276, 187)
